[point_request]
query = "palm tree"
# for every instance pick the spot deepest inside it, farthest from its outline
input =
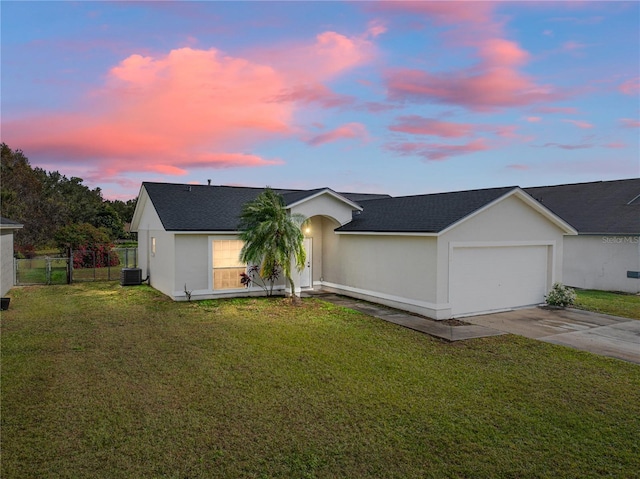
(272, 237)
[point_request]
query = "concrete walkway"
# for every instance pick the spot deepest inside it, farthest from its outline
(447, 330)
(597, 333)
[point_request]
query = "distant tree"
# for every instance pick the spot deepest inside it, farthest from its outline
(109, 219)
(47, 201)
(125, 210)
(21, 199)
(91, 246)
(272, 237)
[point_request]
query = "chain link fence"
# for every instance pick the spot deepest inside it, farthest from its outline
(61, 269)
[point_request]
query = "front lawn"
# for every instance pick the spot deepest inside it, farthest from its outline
(104, 381)
(617, 304)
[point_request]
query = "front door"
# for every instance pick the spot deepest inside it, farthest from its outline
(305, 276)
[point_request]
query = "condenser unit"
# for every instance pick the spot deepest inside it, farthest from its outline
(131, 276)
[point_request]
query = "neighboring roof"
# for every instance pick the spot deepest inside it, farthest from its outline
(6, 223)
(217, 208)
(422, 213)
(601, 207)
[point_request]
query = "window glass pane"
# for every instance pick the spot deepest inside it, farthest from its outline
(227, 266)
(226, 253)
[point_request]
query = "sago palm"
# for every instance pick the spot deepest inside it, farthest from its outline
(272, 237)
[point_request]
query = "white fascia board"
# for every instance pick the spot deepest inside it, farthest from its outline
(384, 233)
(143, 198)
(205, 232)
(15, 226)
(330, 192)
(546, 212)
(526, 198)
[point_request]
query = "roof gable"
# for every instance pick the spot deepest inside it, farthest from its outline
(436, 213)
(421, 213)
(301, 197)
(601, 207)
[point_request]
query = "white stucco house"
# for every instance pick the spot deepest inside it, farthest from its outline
(440, 255)
(7, 229)
(605, 254)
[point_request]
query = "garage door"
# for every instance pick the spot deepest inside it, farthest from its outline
(485, 279)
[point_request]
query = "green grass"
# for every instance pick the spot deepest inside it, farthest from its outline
(103, 381)
(617, 304)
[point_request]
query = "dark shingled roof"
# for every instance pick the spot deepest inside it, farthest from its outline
(422, 213)
(601, 207)
(214, 208)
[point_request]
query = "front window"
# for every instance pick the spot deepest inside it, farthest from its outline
(227, 266)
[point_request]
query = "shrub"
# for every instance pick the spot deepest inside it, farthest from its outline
(560, 295)
(91, 246)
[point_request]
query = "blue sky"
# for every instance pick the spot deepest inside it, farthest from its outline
(395, 97)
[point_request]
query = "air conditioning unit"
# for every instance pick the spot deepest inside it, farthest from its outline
(131, 276)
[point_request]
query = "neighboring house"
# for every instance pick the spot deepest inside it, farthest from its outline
(7, 228)
(606, 253)
(441, 255)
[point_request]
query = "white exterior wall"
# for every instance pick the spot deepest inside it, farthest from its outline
(192, 260)
(399, 271)
(325, 205)
(159, 266)
(193, 253)
(6, 255)
(601, 262)
(162, 264)
(508, 223)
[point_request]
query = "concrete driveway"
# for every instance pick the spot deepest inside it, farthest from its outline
(598, 333)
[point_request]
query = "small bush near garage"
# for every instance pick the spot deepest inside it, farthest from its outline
(560, 295)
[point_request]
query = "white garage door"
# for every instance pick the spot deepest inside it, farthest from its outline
(485, 279)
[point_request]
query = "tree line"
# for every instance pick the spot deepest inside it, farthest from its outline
(56, 210)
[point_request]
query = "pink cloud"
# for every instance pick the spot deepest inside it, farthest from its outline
(533, 119)
(630, 87)
(315, 93)
(579, 124)
(376, 107)
(629, 122)
(565, 146)
(189, 108)
(519, 167)
(418, 125)
(330, 54)
(376, 28)
(347, 131)
(556, 109)
(507, 131)
(442, 13)
(438, 151)
(615, 145)
(572, 46)
(494, 82)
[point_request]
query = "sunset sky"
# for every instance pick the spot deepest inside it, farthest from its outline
(394, 97)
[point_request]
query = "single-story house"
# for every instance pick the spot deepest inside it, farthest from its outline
(7, 229)
(605, 254)
(440, 255)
